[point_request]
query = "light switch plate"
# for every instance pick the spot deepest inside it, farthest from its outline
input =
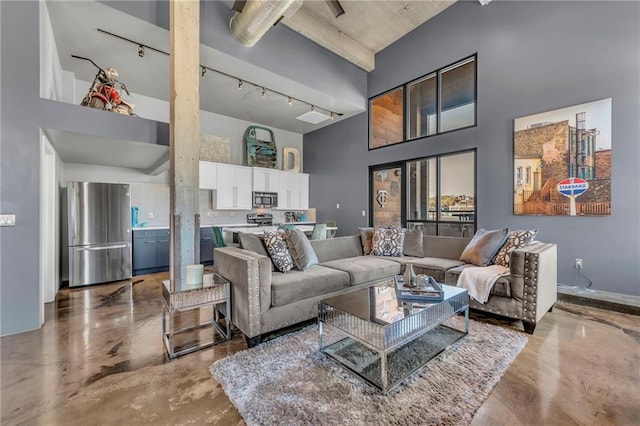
(8, 220)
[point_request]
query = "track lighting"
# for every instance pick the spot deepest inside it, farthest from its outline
(203, 71)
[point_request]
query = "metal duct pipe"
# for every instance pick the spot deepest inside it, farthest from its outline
(256, 18)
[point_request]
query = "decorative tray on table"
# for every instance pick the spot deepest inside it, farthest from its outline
(426, 290)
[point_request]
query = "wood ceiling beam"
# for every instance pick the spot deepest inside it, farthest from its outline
(331, 38)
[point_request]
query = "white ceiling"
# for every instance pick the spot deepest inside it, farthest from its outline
(87, 149)
(377, 24)
(365, 27)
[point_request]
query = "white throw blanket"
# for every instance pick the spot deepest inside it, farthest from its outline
(479, 280)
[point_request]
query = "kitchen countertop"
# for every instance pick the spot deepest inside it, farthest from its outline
(223, 225)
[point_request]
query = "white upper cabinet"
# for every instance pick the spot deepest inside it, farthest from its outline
(293, 193)
(266, 180)
(233, 187)
(208, 178)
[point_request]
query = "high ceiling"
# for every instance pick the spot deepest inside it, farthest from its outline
(371, 24)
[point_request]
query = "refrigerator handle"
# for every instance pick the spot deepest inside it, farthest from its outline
(117, 246)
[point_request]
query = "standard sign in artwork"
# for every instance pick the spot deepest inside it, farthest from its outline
(572, 187)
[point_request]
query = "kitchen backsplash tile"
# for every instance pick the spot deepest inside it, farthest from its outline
(154, 198)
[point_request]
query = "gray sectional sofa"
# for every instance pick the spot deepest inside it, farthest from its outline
(264, 300)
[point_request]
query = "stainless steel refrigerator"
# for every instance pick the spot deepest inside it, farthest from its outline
(99, 224)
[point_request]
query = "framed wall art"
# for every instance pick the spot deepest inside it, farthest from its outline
(562, 161)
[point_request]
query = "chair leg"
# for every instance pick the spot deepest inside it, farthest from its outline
(529, 327)
(253, 341)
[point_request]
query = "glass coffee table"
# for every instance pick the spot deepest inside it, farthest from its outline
(384, 341)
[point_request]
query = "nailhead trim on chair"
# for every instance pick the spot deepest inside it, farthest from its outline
(530, 287)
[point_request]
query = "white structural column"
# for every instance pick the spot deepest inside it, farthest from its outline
(184, 101)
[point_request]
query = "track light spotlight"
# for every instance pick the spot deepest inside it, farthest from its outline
(203, 70)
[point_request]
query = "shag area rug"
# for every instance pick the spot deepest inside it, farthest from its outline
(287, 381)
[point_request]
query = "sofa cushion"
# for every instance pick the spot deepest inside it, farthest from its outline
(278, 250)
(365, 268)
(434, 266)
(337, 248)
(515, 240)
(502, 286)
(483, 246)
(300, 248)
(413, 243)
(366, 237)
(388, 242)
(298, 285)
(255, 244)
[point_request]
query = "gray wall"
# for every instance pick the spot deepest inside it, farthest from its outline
(532, 57)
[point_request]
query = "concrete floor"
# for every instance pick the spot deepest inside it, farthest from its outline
(99, 359)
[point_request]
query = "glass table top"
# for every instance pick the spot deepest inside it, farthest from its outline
(379, 303)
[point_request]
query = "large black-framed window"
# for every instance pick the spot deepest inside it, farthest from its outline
(438, 102)
(436, 194)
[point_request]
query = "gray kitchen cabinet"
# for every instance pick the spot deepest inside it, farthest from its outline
(145, 251)
(206, 245)
(164, 249)
(152, 250)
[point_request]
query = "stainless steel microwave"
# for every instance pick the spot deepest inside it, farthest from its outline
(265, 199)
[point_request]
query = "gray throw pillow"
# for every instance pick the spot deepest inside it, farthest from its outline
(413, 243)
(483, 246)
(515, 240)
(277, 248)
(366, 238)
(254, 243)
(388, 242)
(300, 248)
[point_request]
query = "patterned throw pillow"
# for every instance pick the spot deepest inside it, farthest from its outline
(277, 248)
(515, 240)
(388, 242)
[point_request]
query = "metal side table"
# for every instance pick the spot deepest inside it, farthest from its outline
(215, 293)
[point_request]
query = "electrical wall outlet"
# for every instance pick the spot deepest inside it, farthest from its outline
(8, 220)
(232, 214)
(578, 263)
(364, 213)
(338, 206)
(150, 215)
(208, 214)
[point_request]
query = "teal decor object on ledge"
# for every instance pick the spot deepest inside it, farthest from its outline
(261, 152)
